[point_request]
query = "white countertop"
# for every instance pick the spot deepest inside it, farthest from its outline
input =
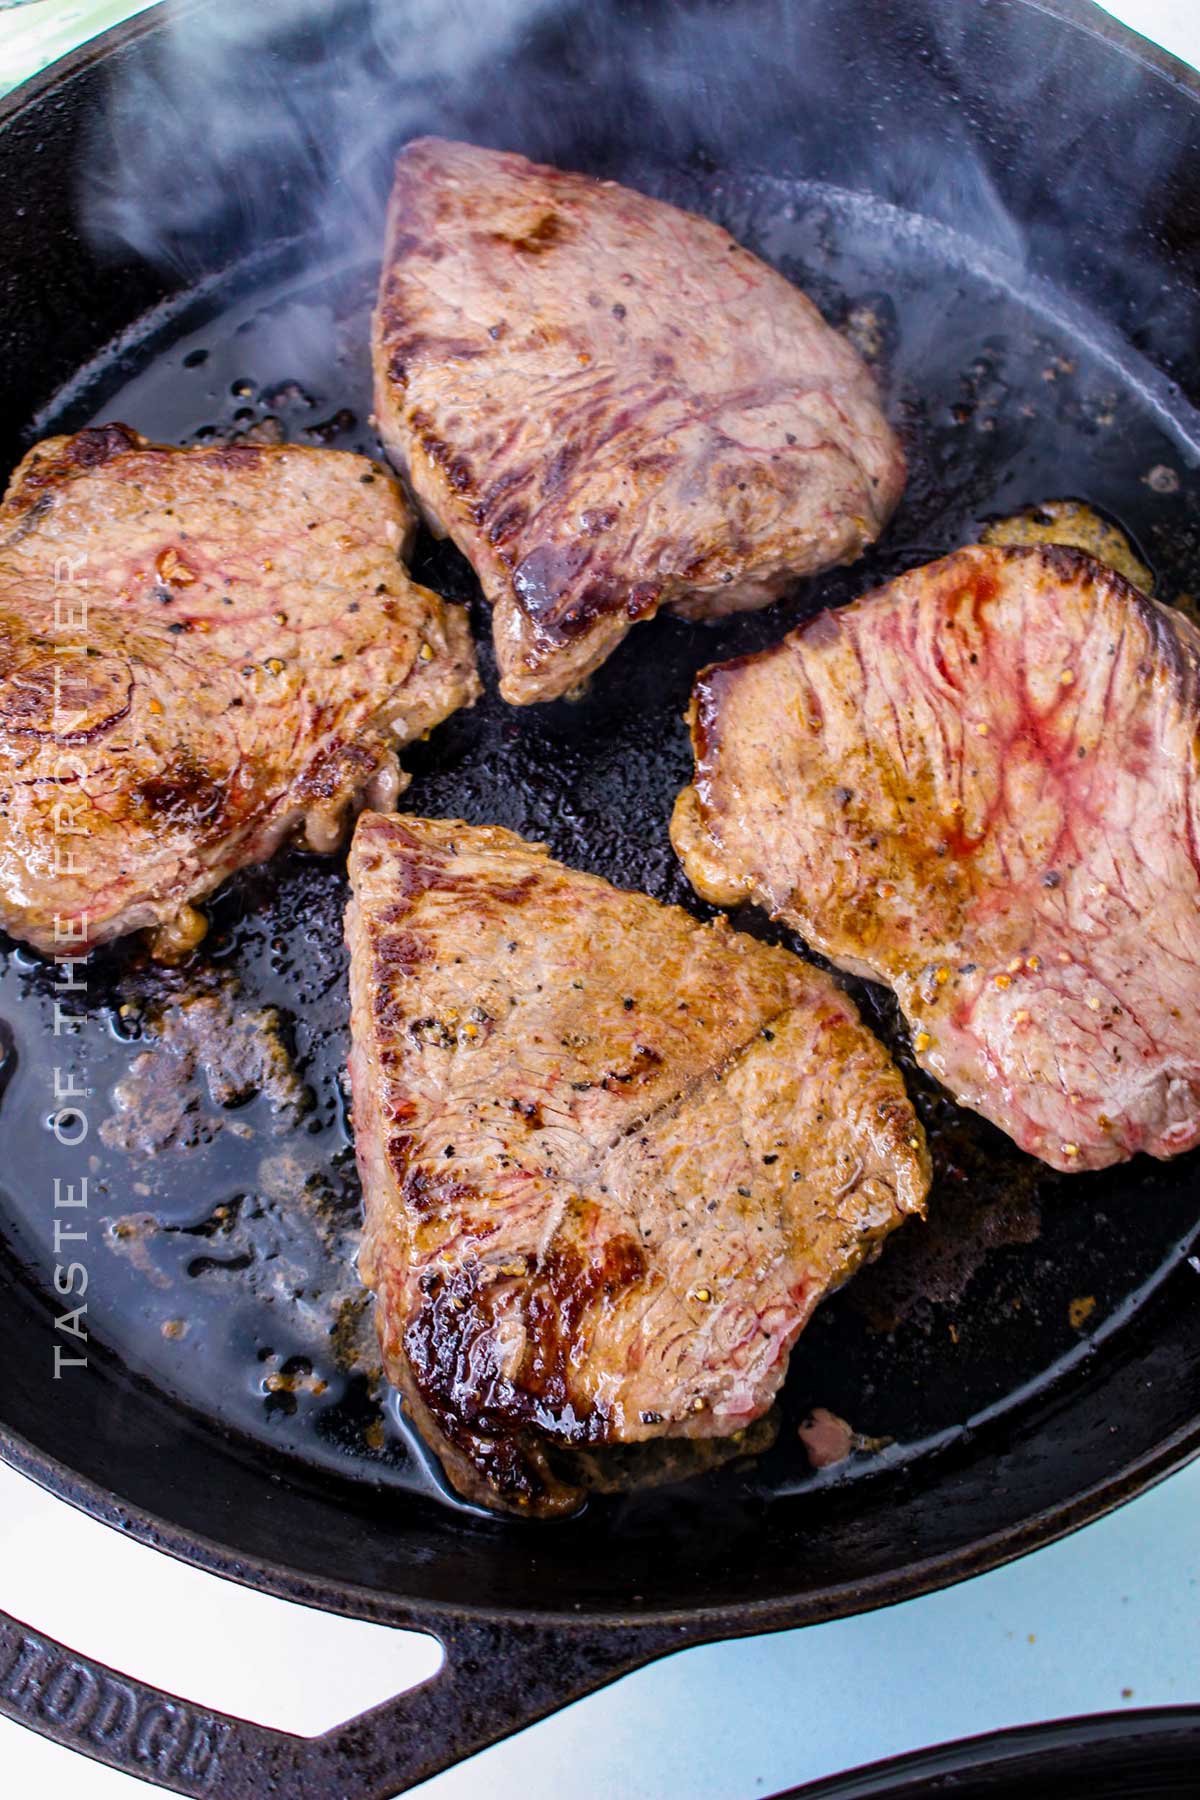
(1106, 1619)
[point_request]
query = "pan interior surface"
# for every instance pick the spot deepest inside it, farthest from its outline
(984, 1364)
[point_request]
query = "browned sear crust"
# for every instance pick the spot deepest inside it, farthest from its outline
(611, 407)
(201, 651)
(612, 1157)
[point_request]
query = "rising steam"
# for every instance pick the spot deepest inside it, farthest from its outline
(255, 122)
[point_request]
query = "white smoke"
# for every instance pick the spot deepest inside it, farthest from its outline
(254, 122)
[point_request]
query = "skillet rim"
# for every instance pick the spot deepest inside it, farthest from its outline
(738, 1618)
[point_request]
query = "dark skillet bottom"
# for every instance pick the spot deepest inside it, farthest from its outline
(246, 1236)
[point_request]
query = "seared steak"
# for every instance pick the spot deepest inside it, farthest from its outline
(200, 651)
(612, 1157)
(979, 785)
(611, 407)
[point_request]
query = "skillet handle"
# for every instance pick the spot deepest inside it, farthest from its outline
(495, 1679)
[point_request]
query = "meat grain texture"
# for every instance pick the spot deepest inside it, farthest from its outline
(979, 785)
(612, 1157)
(611, 407)
(202, 652)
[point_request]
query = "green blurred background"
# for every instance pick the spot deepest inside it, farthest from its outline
(40, 31)
(35, 32)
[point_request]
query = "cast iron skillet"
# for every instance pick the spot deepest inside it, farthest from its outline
(1145, 1755)
(1001, 201)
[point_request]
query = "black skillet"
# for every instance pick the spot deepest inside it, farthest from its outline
(1143, 1755)
(1001, 200)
